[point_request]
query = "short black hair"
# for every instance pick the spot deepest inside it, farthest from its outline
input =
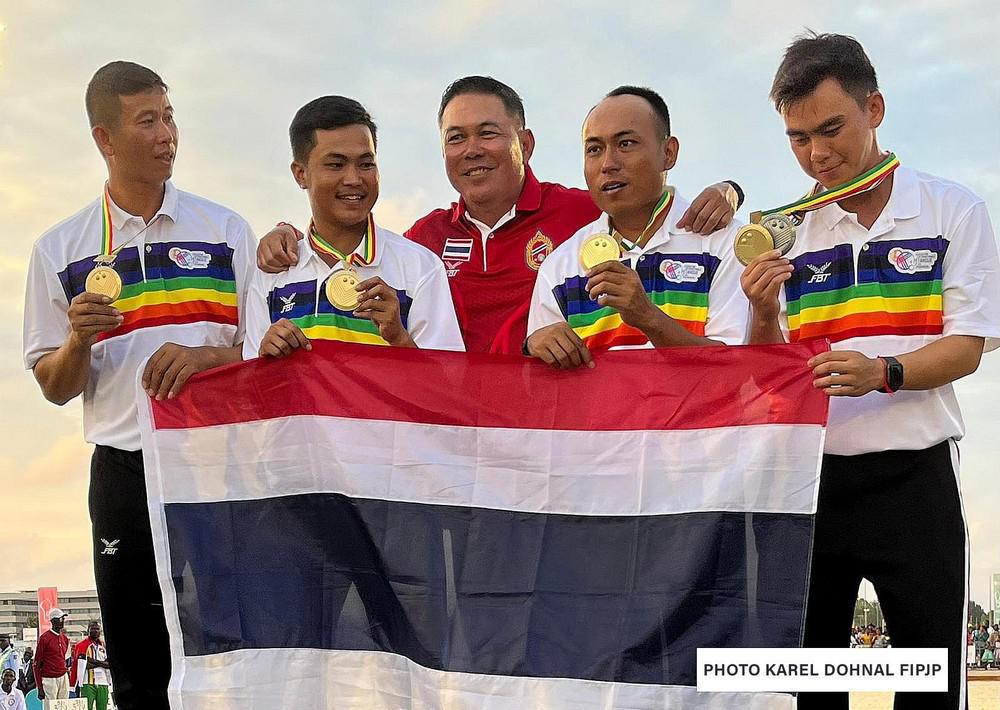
(112, 81)
(323, 114)
(656, 101)
(812, 58)
(483, 85)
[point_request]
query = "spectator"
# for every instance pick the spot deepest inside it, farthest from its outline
(50, 661)
(8, 655)
(11, 698)
(90, 669)
(26, 676)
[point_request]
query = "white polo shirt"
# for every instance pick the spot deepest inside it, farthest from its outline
(415, 273)
(14, 700)
(693, 279)
(183, 282)
(927, 268)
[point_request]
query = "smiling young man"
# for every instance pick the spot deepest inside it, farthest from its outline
(505, 223)
(395, 292)
(671, 286)
(145, 273)
(903, 278)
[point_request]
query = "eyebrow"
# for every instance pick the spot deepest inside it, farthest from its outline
(484, 124)
(341, 156)
(825, 126)
(619, 135)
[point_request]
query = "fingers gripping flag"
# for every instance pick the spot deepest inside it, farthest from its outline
(360, 527)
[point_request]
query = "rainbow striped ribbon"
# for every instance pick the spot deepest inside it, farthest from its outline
(868, 180)
(663, 205)
(107, 237)
(367, 255)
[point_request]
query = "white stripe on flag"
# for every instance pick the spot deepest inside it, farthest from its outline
(385, 681)
(764, 468)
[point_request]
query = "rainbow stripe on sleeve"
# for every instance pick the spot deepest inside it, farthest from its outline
(321, 320)
(185, 282)
(897, 291)
(677, 284)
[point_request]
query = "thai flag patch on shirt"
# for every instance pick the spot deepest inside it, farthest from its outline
(457, 250)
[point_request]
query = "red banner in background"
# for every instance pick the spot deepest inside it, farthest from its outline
(48, 599)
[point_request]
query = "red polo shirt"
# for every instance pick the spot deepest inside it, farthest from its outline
(50, 656)
(491, 282)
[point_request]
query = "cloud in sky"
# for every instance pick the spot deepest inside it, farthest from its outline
(238, 71)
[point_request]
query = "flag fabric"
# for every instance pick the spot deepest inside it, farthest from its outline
(360, 527)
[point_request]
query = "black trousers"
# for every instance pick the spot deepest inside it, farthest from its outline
(131, 604)
(895, 518)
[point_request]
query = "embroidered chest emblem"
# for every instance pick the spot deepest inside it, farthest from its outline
(909, 261)
(537, 248)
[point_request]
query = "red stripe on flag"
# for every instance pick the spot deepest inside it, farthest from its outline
(657, 389)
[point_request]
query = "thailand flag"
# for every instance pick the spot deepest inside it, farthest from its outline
(360, 527)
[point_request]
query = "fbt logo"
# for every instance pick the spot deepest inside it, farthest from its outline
(287, 303)
(820, 273)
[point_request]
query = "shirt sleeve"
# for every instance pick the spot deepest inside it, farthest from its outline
(432, 322)
(544, 309)
(244, 267)
(46, 308)
(728, 307)
(970, 288)
(255, 315)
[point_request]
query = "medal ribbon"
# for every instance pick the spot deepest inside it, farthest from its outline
(868, 180)
(107, 236)
(367, 255)
(663, 205)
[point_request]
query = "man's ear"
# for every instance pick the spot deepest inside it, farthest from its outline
(102, 137)
(299, 173)
(527, 139)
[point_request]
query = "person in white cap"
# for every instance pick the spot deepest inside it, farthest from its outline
(50, 659)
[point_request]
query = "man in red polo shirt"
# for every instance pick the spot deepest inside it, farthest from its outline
(50, 660)
(506, 222)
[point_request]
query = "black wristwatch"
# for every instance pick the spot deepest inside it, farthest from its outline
(893, 375)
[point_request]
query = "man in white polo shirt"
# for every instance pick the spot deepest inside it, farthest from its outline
(353, 281)
(144, 270)
(657, 284)
(899, 271)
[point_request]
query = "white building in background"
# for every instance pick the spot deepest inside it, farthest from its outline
(19, 609)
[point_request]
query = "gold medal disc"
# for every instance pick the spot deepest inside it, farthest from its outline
(105, 281)
(752, 241)
(782, 230)
(340, 289)
(598, 249)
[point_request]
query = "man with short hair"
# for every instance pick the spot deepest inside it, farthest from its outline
(354, 281)
(88, 672)
(505, 223)
(657, 284)
(144, 274)
(50, 659)
(11, 698)
(8, 654)
(899, 270)
(26, 674)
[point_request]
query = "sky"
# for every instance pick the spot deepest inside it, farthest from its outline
(238, 71)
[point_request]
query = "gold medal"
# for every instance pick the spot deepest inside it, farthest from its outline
(752, 241)
(782, 229)
(340, 289)
(599, 248)
(105, 281)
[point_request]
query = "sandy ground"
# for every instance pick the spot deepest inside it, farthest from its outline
(983, 695)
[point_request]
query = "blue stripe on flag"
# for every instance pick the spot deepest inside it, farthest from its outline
(487, 591)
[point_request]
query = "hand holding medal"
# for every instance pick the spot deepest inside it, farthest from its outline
(775, 228)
